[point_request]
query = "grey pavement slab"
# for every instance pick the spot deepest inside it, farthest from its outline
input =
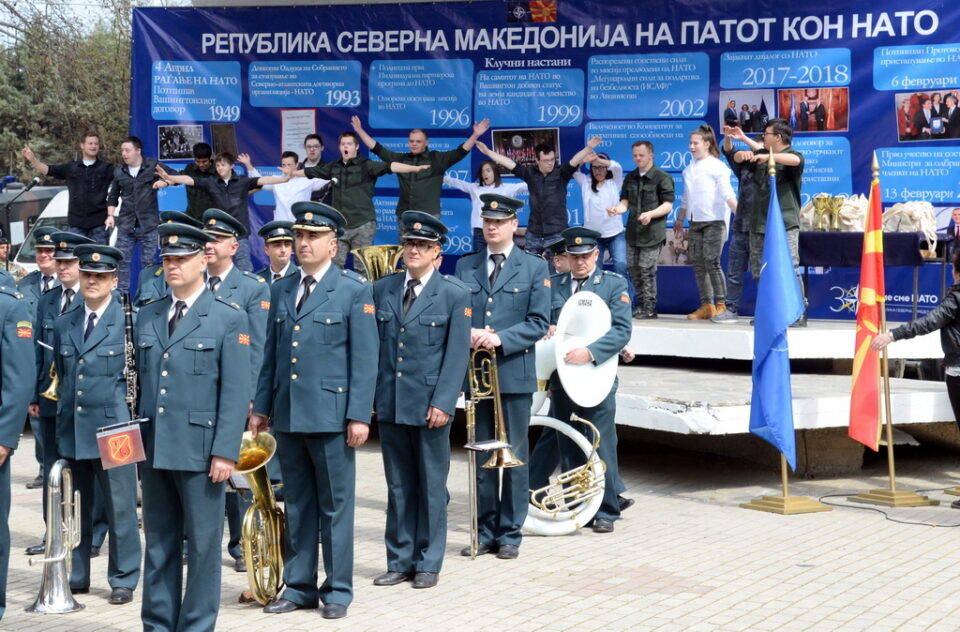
(685, 557)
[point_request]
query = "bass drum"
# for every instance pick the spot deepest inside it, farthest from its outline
(564, 522)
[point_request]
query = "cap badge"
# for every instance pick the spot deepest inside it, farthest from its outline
(63, 244)
(95, 256)
(578, 240)
(211, 222)
(494, 204)
(173, 239)
(417, 226)
(308, 216)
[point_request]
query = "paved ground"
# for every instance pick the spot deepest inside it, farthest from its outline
(685, 557)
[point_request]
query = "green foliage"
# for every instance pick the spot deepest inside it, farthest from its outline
(59, 80)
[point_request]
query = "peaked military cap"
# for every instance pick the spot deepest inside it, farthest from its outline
(177, 240)
(317, 217)
(422, 226)
(277, 230)
(66, 242)
(217, 222)
(181, 218)
(580, 240)
(98, 258)
(496, 206)
(44, 236)
(556, 248)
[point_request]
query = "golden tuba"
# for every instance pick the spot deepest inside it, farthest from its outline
(52, 391)
(263, 522)
(63, 535)
(379, 260)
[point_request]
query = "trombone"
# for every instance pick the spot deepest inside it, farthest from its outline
(484, 381)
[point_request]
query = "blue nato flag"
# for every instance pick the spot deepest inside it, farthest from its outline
(779, 304)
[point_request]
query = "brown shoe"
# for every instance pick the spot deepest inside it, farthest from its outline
(720, 308)
(706, 312)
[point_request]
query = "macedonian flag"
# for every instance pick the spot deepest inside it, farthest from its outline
(865, 396)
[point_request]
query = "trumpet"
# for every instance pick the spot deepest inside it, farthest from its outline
(63, 535)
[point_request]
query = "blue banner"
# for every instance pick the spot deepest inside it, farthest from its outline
(851, 81)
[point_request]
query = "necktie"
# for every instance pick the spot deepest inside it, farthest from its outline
(580, 283)
(307, 284)
(46, 284)
(67, 299)
(410, 295)
(276, 277)
(177, 316)
(91, 323)
(497, 264)
(213, 282)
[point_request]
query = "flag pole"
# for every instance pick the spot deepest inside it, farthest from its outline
(889, 497)
(784, 505)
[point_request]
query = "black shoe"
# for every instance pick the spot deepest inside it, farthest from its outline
(955, 504)
(602, 525)
(334, 611)
(426, 580)
(36, 549)
(94, 552)
(36, 483)
(120, 596)
(80, 591)
(239, 565)
(392, 578)
(625, 503)
(508, 552)
(483, 549)
(282, 606)
(642, 314)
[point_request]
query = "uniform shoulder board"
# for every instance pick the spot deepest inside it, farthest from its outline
(455, 281)
(159, 271)
(251, 275)
(350, 274)
(152, 299)
(613, 274)
(11, 291)
(235, 306)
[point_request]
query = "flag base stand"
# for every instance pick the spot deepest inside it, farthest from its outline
(953, 491)
(786, 505)
(893, 498)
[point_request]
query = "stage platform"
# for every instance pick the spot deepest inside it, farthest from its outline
(705, 402)
(675, 336)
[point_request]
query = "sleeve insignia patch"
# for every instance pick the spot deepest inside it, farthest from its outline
(244, 339)
(368, 308)
(468, 312)
(264, 304)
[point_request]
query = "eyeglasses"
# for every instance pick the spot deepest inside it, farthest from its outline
(418, 245)
(313, 146)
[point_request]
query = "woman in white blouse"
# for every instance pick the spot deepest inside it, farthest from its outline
(601, 190)
(708, 198)
(488, 181)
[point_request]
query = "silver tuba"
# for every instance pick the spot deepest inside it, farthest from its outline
(63, 535)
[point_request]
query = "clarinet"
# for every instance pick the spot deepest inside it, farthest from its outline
(129, 356)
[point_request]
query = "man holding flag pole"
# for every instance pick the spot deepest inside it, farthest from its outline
(779, 304)
(872, 336)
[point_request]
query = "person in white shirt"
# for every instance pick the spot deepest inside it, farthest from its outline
(286, 194)
(708, 198)
(601, 190)
(488, 181)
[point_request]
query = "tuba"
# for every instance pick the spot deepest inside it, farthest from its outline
(379, 260)
(63, 535)
(263, 522)
(583, 319)
(571, 501)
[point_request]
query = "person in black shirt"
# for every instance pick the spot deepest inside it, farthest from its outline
(88, 181)
(548, 190)
(229, 192)
(198, 200)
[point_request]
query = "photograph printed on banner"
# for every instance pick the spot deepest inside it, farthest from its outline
(928, 115)
(815, 109)
(747, 109)
(675, 251)
(518, 144)
(176, 141)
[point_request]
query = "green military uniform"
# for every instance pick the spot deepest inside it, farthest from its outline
(195, 389)
(421, 190)
(17, 381)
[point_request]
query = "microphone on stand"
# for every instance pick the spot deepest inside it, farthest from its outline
(32, 183)
(322, 191)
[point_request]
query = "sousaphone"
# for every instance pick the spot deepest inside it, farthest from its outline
(584, 318)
